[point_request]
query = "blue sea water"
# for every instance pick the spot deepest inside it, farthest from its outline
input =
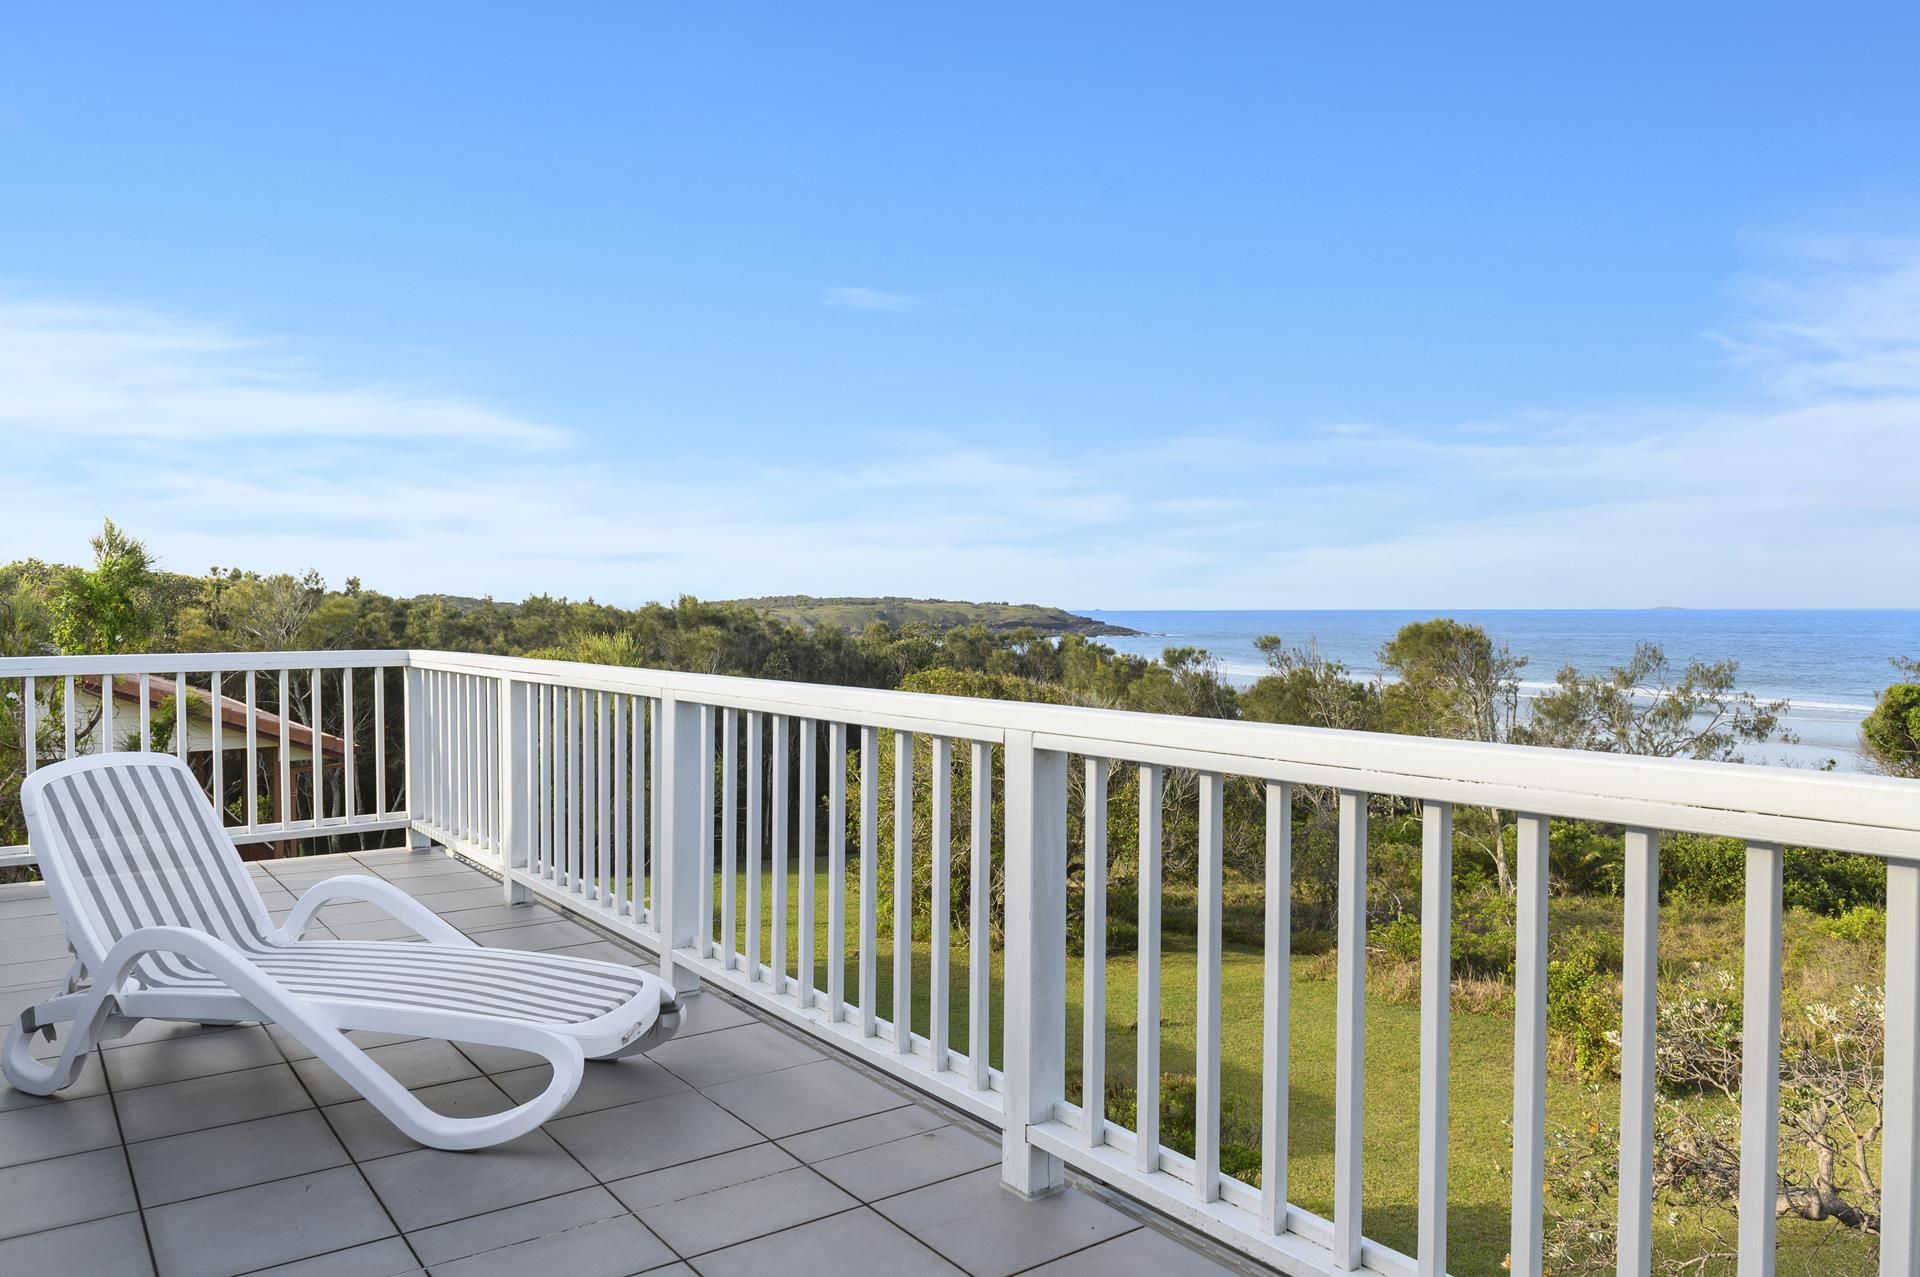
(1829, 665)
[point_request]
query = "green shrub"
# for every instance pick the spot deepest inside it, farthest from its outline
(1582, 1011)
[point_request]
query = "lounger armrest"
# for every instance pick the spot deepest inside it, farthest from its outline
(425, 922)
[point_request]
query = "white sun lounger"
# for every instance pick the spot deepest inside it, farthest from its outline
(166, 924)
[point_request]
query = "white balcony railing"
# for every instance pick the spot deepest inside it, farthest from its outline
(598, 789)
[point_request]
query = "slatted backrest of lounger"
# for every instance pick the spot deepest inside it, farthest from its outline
(130, 840)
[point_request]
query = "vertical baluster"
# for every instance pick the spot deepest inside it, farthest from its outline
(940, 996)
(1900, 1137)
(655, 814)
(1350, 1025)
(1206, 1146)
(979, 919)
(1760, 1063)
(319, 773)
(703, 940)
(1436, 992)
(1638, 968)
(642, 792)
(1146, 1153)
(380, 742)
(103, 742)
(620, 850)
(570, 793)
(729, 836)
(590, 769)
(1529, 1048)
(70, 716)
(902, 892)
(146, 713)
(347, 778)
(30, 723)
(1093, 978)
(283, 815)
(837, 871)
(1277, 1008)
(180, 716)
(216, 743)
(869, 857)
(550, 840)
(755, 846)
(780, 818)
(603, 801)
(805, 810)
(253, 746)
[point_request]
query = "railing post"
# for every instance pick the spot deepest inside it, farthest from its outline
(516, 827)
(680, 850)
(1036, 958)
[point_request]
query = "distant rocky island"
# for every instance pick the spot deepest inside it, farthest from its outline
(855, 614)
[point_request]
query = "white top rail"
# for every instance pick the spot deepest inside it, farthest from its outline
(1868, 814)
(1874, 815)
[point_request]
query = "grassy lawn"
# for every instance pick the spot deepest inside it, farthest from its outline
(1480, 1094)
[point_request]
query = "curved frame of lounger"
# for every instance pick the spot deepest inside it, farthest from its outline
(612, 1036)
(427, 924)
(319, 1025)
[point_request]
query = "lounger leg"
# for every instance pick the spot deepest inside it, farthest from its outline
(94, 1017)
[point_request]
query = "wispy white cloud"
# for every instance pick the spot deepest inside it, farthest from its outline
(1796, 491)
(865, 299)
(99, 372)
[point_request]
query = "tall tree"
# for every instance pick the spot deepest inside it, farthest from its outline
(1891, 733)
(109, 607)
(1641, 708)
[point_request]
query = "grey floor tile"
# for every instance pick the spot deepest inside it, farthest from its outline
(198, 1103)
(991, 1232)
(473, 898)
(1140, 1253)
(64, 1190)
(379, 929)
(708, 1059)
(117, 1246)
(365, 1039)
(222, 1235)
(161, 1031)
(606, 1084)
(32, 924)
(862, 1132)
(708, 1013)
(606, 951)
(799, 1099)
(424, 887)
(432, 867)
(500, 1059)
(731, 1198)
(538, 936)
(421, 1062)
(21, 948)
(612, 1247)
(857, 1243)
(490, 914)
(368, 1134)
(40, 1131)
(34, 973)
(228, 1157)
(92, 1081)
(445, 1242)
(430, 1186)
(914, 1162)
(636, 1138)
(196, 1055)
(387, 1258)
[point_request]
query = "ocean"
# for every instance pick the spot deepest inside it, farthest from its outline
(1829, 665)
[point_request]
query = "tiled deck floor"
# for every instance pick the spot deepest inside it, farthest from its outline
(735, 1149)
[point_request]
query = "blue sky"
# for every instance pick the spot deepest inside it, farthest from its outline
(1107, 306)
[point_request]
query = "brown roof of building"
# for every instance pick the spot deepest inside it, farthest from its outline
(233, 712)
